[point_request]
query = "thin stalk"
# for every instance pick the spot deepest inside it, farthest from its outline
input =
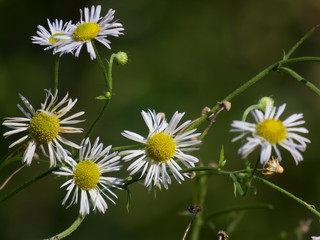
(300, 79)
(116, 149)
(23, 186)
(235, 93)
(201, 190)
(308, 206)
(288, 55)
(249, 83)
(56, 73)
(108, 82)
(103, 68)
(70, 230)
(103, 110)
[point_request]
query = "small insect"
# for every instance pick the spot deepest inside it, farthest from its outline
(222, 235)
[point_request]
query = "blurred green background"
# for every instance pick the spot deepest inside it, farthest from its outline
(183, 56)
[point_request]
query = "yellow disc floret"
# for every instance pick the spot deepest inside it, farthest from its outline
(86, 31)
(160, 147)
(86, 175)
(272, 130)
(44, 127)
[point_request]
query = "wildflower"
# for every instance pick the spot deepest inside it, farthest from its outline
(273, 167)
(46, 38)
(160, 149)
(270, 131)
(91, 27)
(87, 176)
(44, 127)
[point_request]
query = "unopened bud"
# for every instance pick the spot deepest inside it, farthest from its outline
(121, 58)
(264, 102)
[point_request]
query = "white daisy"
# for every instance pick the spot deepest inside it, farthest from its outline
(44, 127)
(315, 238)
(270, 131)
(46, 38)
(86, 176)
(162, 146)
(92, 27)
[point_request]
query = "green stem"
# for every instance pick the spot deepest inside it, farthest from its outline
(110, 71)
(103, 68)
(199, 198)
(249, 83)
(116, 149)
(56, 74)
(287, 56)
(23, 186)
(234, 94)
(103, 110)
(300, 79)
(308, 206)
(248, 110)
(108, 82)
(70, 230)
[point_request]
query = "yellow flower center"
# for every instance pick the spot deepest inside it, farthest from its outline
(86, 175)
(43, 127)
(160, 147)
(53, 40)
(272, 130)
(86, 31)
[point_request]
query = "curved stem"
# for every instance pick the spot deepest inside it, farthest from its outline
(56, 74)
(70, 230)
(300, 79)
(308, 206)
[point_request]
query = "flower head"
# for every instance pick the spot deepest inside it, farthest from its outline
(46, 38)
(161, 147)
(269, 132)
(91, 27)
(44, 127)
(87, 176)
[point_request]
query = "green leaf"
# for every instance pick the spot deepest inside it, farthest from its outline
(222, 162)
(102, 98)
(236, 186)
(128, 199)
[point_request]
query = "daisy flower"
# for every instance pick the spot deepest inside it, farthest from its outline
(46, 38)
(160, 149)
(269, 132)
(315, 238)
(86, 176)
(91, 27)
(44, 127)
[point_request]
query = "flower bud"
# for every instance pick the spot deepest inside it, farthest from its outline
(264, 101)
(121, 58)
